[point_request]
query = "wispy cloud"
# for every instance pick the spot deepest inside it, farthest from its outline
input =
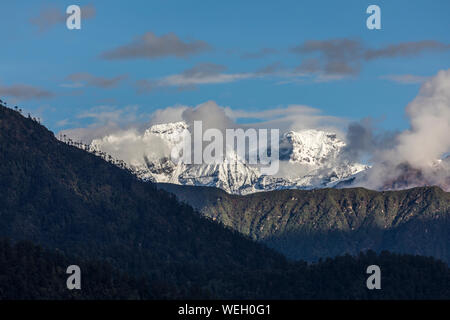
(150, 46)
(109, 114)
(103, 120)
(336, 56)
(63, 123)
(404, 78)
(25, 92)
(406, 49)
(291, 117)
(204, 73)
(84, 78)
(52, 16)
(346, 56)
(211, 73)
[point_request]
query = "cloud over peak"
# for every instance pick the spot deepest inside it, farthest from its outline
(421, 149)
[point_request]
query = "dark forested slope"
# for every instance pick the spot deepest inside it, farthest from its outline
(29, 272)
(62, 197)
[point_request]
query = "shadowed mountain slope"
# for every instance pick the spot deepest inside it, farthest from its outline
(62, 197)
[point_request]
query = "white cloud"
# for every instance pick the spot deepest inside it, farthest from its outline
(414, 155)
(104, 120)
(204, 73)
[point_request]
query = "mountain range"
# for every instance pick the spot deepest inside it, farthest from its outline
(307, 217)
(136, 241)
(310, 156)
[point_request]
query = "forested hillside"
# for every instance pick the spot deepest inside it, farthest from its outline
(309, 224)
(30, 272)
(59, 196)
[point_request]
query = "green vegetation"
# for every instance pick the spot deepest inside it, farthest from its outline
(328, 222)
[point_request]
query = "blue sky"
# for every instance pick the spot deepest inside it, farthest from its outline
(60, 74)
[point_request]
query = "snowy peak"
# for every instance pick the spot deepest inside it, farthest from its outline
(169, 132)
(312, 147)
(168, 129)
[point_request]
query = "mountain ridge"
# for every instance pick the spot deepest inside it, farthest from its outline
(314, 154)
(313, 224)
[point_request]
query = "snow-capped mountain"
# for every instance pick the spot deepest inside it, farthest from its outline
(169, 132)
(309, 159)
(312, 147)
(232, 175)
